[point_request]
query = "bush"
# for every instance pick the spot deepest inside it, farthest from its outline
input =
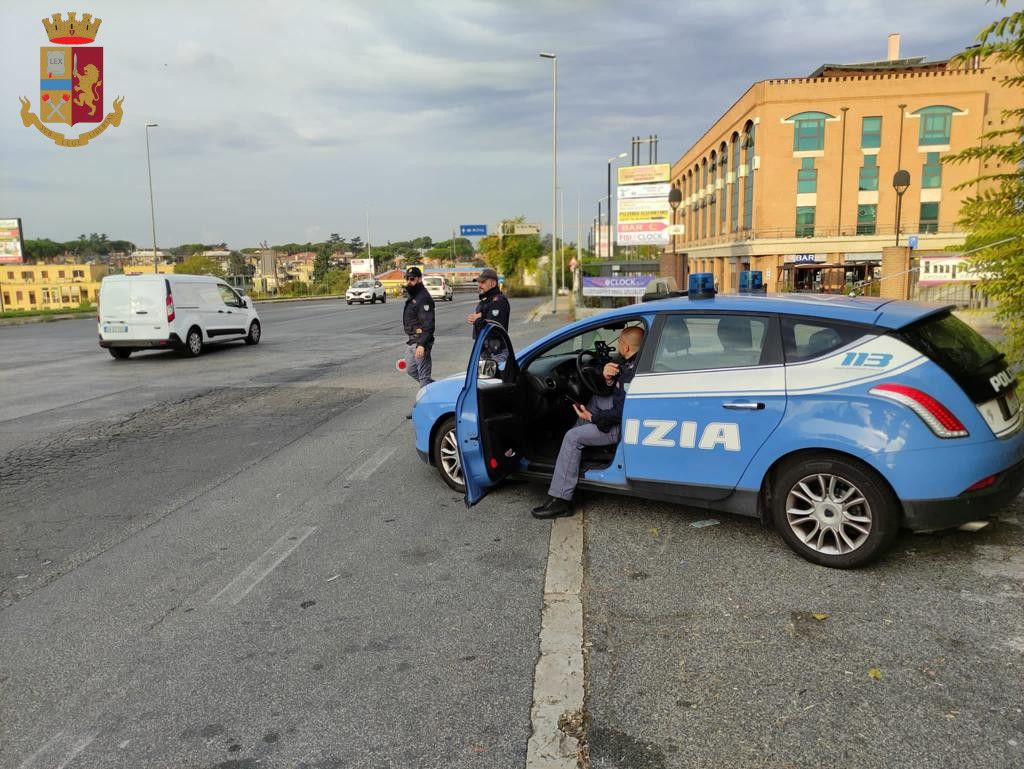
(515, 287)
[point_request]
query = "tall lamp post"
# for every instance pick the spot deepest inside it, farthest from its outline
(900, 183)
(554, 171)
(611, 160)
(152, 212)
(675, 197)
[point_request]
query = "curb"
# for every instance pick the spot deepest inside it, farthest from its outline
(25, 320)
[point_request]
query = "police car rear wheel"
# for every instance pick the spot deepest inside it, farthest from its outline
(446, 455)
(834, 512)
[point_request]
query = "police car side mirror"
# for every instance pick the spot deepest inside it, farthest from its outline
(486, 369)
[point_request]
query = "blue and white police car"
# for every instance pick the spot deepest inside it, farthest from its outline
(837, 420)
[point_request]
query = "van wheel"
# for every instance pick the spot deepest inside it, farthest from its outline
(194, 342)
(253, 337)
(120, 353)
(348, 302)
(834, 512)
(383, 298)
(446, 455)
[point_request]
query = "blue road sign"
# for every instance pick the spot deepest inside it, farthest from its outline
(472, 230)
(912, 241)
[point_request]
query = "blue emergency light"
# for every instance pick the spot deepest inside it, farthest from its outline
(751, 282)
(701, 285)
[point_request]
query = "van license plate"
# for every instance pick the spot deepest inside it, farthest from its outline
(115, 329)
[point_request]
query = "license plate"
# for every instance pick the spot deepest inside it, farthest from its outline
(115, 329)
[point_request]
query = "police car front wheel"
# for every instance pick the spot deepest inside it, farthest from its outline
(834, 512)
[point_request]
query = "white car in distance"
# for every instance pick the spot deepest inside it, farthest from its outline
(438, 287)
(366, 290)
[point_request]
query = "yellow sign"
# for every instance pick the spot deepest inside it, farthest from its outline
(651, 215)
(71, 81)
(658, 172)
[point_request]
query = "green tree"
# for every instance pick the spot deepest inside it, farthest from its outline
(337, 281)
(198, 265)
(994, 215)
(321, 264)
(356, 244)
(512, 255)
(42, 249)
(236, 263)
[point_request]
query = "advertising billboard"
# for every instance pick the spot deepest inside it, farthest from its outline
(624, 285)
(12, 243)
(361, 266)
(658, 172)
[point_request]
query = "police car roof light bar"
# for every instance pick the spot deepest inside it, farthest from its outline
(701, 285)
(939, 419)
(752, 282)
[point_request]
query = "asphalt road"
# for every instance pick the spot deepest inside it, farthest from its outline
(238, 561)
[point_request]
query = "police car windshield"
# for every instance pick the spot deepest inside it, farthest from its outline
(363, 284)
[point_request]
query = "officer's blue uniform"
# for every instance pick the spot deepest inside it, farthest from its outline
(606, 411)
(418, 322)
(493, 307)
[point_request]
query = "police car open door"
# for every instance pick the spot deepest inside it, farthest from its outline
(487, 418)
(711, 391)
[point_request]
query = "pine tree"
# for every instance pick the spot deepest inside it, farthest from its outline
(994, 216)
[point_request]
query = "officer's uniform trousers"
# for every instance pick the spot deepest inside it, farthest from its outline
(421, 369)
(567, 466)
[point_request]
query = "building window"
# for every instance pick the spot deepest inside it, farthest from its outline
(18, 295)
(44, 274)
(929, 217)
(26, 276)
(60, 274)
(78, 273)
(713, 201)
(805, 221)
(7, 298)
(867, 219)
(31, 297)
(46, 296)
(10, 275)
(935, 124)
(869, 174)
(723, 165)
(931, 175)
(85, 294)
(807, 176)
(808, 135)
(748, 182)
(703, 200)
(734, 193)
(871, 132)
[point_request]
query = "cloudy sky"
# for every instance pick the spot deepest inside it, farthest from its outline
(287, 121)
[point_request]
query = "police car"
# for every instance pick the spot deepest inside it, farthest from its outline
(837, 420)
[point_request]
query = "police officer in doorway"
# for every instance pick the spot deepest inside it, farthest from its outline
(493, 307)
(418, 322)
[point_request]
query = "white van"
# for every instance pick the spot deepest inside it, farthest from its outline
(183, 312)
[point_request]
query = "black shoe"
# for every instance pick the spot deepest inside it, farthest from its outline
(553, 508)
(409, 415)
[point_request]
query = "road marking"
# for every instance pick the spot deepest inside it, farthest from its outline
(255, 572)
(62, 748)
(370, 466)
(558, 680)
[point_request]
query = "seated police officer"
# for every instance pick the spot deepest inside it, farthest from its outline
(598, 425)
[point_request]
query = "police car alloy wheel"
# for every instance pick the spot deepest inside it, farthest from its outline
(446, 456)
(834, 512)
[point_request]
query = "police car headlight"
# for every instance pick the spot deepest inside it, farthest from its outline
(419, 393)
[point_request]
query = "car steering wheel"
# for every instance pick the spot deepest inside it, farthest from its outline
(590, 367)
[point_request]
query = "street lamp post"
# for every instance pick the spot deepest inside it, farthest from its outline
(554, 172)
(152, 211)
(611, 160)
(900, 183)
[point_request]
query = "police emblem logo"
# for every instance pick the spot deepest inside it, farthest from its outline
(494, 313)
(71, 81)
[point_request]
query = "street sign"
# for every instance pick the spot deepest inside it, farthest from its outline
(472, 230)
(659, 190)
(677, 229)
(616, 285)
(526, 229)
(912, 241)
(361, 267)
(658, 172)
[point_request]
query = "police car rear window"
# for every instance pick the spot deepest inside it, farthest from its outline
(808, 338)
(952, 344)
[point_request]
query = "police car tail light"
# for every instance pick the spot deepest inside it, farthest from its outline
(938, 418)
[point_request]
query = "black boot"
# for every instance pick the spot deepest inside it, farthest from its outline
(553, 508)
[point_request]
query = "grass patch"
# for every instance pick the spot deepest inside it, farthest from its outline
(47, 313)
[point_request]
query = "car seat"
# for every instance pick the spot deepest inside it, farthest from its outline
(821, 341)
(734, 333)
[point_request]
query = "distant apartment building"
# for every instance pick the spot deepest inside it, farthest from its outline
(796, 178)
(49, 286)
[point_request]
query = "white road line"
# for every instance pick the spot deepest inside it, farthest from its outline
(558, 680)
(62, 748)
(255, 572)
(370, 466)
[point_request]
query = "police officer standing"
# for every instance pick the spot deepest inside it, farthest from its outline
(493, 307)
(418, 322)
